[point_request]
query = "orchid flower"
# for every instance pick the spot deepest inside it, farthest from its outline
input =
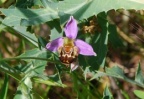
(69, 47)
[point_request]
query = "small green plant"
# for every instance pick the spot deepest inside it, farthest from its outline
(76, 46)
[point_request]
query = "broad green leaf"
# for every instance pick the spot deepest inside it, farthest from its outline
(116, 72)
(78, 8)
(4, 90)
(72, 7)
(50, 4)
(107, 94)
(55, 34)
(42, 42)
(85, 66)
(102, 41)
(27, 3)
(83, 9)
(99, 42)
(24, 90)
(28, 16)
(37, 61)
(139, 77)
(139, 94)
(24, 68)
(46, 16)
(11, 20)
(30, 37)
(98, 74)
(56, 30)
(41, 57)
(39, 66)
(42, 54)
(53, 80)
(114, 38)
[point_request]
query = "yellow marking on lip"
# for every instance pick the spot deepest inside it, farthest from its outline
(68, 42)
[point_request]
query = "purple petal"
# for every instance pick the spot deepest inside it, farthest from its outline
(71, 28)
(85, 48)
(53, 45)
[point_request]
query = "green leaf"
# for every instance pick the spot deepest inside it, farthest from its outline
(37, 61)
(78, 8)
(43, 54)
(56, 30)
(24, 68)
(72, 7)
(42, 42)
(30, 37)
(28, 3)
(116, 72)
(139, 78)
(84, 9)
(51, 4)
(24, 90)
(100, 41)
(139, 94)
(85, 65)
(107, 94)
(27, 17)
(53, 80)
(12, 20)
(55, 34)
(114, 38)
(4, 90)
(38, 65)
(45, 16)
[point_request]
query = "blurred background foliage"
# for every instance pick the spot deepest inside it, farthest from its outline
(124, 49)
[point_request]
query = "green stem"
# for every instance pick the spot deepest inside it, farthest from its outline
(37, 58)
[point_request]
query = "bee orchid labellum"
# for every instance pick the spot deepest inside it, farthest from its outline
(68, 53)
(69, 47)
